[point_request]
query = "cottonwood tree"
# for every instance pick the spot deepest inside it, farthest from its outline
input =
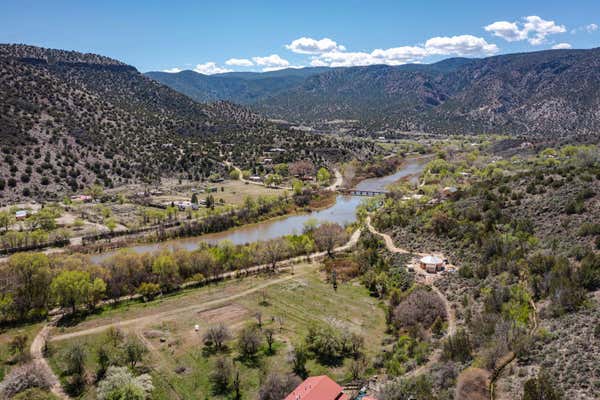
(302, 168)
(327, 236)
(72, 288)
(133, 351)
(167, 271)
(274, 250)
(323, 176)
(27, 278)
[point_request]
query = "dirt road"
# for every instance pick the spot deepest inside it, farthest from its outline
(37, 355)
(209, 304)
(339, 179)
(430, 279)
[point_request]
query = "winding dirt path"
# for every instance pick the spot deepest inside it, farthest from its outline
(339, 179)
(37, 355)
(429, 281)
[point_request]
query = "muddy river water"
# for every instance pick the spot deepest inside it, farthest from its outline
(342, 212)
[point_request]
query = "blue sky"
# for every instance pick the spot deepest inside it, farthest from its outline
(216, 36)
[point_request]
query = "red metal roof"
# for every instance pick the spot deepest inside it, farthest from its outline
(317, 388)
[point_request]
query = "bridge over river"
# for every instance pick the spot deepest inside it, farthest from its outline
(358, 192)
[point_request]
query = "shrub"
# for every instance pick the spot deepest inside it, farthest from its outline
(22, 378)
(421, 307)
(589, 229)
(457, 347)
(35, 394)
(540, 388)
(220, 376)
(120, 383)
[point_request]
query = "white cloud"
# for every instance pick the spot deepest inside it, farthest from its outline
(457, 45)
(172, 70)
(589, 28)
(533, 29)
(462, 45)
(305, 45)
(210, 68)
(269, 69)
(272, 62)
(508, 31)
(239, 62)
(541, 28)
(562, 46)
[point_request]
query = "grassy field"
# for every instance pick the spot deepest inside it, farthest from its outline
(6, 336)
(177, 359)
(233, 192)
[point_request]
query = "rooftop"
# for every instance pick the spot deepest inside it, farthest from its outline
(431, 260)
(317, 388)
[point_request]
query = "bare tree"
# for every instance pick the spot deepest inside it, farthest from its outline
(249, 341)
(328, 235)
(302, 168)
(216, 336)
(258, 316)
(357, 368)
(220, 376)
(274, 250)
(270, 338)
(277, 386)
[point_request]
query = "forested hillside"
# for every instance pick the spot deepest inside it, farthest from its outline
(70, 120)
(552, 92)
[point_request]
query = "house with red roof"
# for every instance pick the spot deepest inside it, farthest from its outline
(318, 388)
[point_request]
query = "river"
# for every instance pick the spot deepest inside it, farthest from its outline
(342, 212)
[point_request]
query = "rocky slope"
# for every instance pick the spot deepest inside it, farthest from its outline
(552, 92)
(69, 120)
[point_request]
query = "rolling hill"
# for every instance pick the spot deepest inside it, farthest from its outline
(69, 120)
(238, 87)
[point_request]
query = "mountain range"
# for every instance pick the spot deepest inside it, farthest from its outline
(69, 120)
(553, 92)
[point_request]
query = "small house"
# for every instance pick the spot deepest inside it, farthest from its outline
(318, 388)
(431, 264)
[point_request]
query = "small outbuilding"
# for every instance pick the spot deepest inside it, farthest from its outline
(431, 264)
